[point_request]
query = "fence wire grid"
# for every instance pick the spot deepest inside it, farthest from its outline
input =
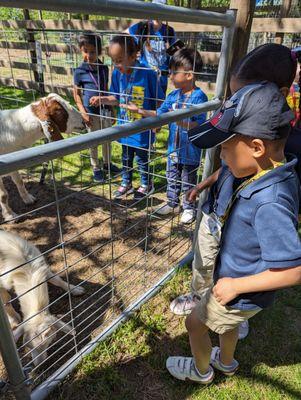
(108, 252)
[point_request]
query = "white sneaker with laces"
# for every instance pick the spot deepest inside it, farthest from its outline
(166, 210)
(243, 330)
(188, 216)
(216, 363)
(184, 304)
(184, 369)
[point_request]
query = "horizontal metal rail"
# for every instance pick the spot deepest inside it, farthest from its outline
(39, 154)
(134, 9)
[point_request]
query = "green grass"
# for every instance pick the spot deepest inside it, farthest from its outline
(130, 365)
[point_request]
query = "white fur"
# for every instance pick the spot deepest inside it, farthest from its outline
(19, 129)
(39, 327)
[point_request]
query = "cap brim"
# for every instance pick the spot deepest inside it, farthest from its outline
(206, 136)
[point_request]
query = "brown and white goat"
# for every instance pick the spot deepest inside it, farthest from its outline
(24, 270)
(48, 117)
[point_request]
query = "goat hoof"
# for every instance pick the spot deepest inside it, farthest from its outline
(30, 199)
(78, 291)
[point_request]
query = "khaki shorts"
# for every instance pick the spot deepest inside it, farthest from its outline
(218, 318)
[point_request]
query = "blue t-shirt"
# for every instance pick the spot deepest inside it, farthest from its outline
(261, 233)
(153, 51)
(187, 153)
(93, 80)
(141, 88)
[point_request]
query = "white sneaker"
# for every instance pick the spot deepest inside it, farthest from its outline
(216, 363)
(166, 210)
(183, 368)
(188, 216)
(243, 330)
(184, 304)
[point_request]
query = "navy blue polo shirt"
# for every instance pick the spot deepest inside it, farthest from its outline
(261, 232)
(92, 81)
(221, 192)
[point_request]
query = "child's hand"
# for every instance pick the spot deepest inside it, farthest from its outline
(192, 194)
(131, 107)
(225, 290)
(95, 101)
(86, 118)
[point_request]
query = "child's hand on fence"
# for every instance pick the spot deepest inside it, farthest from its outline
(192, 194)
(225, 290)
(87, 119)
(131, 107)
(95, 100)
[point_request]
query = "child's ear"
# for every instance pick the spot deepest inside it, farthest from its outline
(190, 76)
(258, 148)
(285, 91)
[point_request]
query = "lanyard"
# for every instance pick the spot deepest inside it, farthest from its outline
(96, 82)
(185, 101)
(242, 186)
(126, 91)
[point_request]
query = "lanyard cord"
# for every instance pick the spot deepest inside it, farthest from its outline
(185, 100)
(242, 186)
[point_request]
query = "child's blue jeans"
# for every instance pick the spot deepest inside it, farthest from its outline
(128, 154)
(180, 178)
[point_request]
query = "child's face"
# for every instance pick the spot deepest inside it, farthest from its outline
(121, 60)
(89, 53)
(238, 153)
(180, 78)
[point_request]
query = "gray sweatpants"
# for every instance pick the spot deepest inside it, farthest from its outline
(99, 122)
(206, 250)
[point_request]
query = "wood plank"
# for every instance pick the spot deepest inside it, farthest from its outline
(273, 25)
(33, 67)
(286, 25)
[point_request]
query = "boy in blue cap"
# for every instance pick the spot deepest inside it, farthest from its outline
(260, 249)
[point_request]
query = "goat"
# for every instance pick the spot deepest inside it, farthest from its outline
(24, 270)
(20, 128)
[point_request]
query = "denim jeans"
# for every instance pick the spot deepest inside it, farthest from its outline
(180, 178)
(128, 154)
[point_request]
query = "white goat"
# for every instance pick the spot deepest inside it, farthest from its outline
(29, 282)
(20, 128)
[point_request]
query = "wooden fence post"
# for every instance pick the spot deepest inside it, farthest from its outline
(284, 12)
(38, 76)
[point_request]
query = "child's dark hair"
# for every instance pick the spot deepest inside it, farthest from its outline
(272, 62)
(186, 59)
(90, 39)
(127, 42)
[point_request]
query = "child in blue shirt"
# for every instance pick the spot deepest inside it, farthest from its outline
(91, 78)
(153, 38)
(183, 157)
(260, 249)
(132, 83)
(267, 62)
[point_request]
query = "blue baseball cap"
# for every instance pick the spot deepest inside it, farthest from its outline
(256, 110)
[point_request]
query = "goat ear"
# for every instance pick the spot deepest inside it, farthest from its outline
(59, 324)
(18, 332)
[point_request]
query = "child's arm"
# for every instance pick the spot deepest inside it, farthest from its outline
(133, 108)
(193, 193)
(111, 100)
(280, 251)
(226, 289)
(79, 103)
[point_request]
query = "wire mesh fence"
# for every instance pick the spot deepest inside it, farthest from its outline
(79, 258)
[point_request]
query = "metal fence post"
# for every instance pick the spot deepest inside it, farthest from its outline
(220, 89)
(17, 379)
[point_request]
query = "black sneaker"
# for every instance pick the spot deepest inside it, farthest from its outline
(113, 168)
(99, 176)
(143, 191)
(123, 191)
